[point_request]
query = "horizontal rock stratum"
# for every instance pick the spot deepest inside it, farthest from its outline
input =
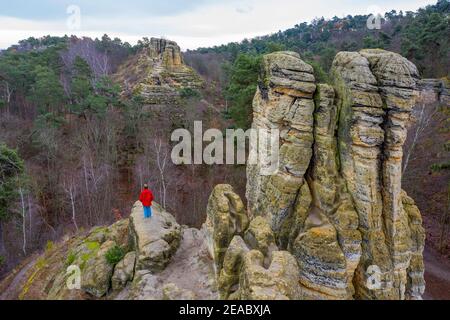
(332, 223)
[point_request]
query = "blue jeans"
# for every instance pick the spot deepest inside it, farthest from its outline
(147, 212)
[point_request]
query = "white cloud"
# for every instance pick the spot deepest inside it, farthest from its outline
(208, 25)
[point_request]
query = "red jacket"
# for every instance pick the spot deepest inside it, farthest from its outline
(146, 198)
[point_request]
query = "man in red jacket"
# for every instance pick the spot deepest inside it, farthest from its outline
(146, 198)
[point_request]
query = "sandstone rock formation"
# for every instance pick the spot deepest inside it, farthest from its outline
(336, 204)
(438, 88)
(155, 242)
(374, 114)
(157, 73)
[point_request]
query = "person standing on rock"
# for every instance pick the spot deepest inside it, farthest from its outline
(146, 198)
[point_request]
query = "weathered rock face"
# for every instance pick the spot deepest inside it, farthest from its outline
(167, 51)
(157, 73)
(157, 254)
(250, 269)
(374, 114)
(436, 90)
(225, 218)
(336, 203)
(174, 282)
(284, 102)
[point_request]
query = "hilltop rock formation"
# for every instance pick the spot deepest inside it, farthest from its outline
(336, 204)
(157, 73)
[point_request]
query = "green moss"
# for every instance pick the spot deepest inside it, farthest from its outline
(100, 230)
(93, 247)
(84, 259)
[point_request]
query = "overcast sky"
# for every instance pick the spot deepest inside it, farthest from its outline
(192, 23)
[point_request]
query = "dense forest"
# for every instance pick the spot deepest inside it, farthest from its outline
(422, 37)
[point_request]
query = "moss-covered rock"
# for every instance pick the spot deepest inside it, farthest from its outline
(157, 74)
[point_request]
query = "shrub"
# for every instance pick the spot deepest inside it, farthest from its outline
(447, 146)
(115, 255)
(319, 73)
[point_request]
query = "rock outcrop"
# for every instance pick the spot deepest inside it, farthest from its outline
(249, 265)
(335, 206)
(124, 271)
(157, 73)
(155, 242)
(157, 252)
(331, 223)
